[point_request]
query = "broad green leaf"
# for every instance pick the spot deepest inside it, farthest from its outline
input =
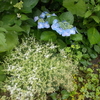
(14, 28)
(9, 19)
(65, 94)
(28, 5)
(68, 16)
(97, 48)
(11, 40)
(3, 30)
(26, 28)
(76, 37)
(48, 35)
(2, 42)
(96, 19)
(97, 7)
(93, 35)
(61, 44)
(24, 17)
(88, 13)
(78, 8)
(54, 96)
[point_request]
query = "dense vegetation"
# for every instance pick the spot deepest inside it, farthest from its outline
(71, 25)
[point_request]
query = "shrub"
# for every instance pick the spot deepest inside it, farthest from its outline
(36, 68)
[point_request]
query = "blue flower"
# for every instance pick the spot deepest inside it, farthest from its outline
(55, 26)
(68, 32)
(40, 25)
(43, 15)
(55, 21)
(46, 24)
(36, 18)
(53, 14)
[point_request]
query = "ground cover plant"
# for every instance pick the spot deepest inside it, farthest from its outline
(72, 25)
(35, 69)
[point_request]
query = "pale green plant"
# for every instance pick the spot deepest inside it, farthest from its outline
(36, 69)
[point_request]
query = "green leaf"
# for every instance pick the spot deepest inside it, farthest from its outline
(76, 37)
(78, 8)
(97, 48)
(93, 35)
(68, 16)
(65, 94)
(24, 17)
(2, 42)
(11, 40)
(9, 19)
(54, 96)
(88, 13)
(26, 28)
(28, 5)
(50, 19)
(48, 35)
(61, 44)
(3, 30)
(96, 18)
(14, 28)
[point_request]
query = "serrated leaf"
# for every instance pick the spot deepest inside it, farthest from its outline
(78, 8)
(14, 28)
(68, 16)
(93, 35)
(26, 28)
(28, 5)
(96, 18)
(76, 37)
(88, 13)
(3, 30)
(9, 19)
(24, 17)
(11, 40)
(48, 35)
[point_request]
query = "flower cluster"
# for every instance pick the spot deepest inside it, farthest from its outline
(41, 20)
(61, 27)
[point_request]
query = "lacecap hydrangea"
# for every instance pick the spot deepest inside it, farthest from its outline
(61, 27)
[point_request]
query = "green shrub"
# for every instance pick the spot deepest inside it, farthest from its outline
(35, 69)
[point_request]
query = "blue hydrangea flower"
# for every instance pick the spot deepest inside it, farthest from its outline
(55, 21)
(36, 18)
(53, 14)
(55, 26)
(68, 32)
(43, 15)
(40, 25)
(46, 24)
